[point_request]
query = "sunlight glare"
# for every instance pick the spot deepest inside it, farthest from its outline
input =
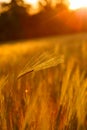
(76, 4)
(7, 1)
(32, 2)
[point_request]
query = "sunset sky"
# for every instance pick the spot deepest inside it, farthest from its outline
(73, 4)
(33, 2)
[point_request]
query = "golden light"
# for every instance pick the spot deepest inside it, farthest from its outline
(32, 2)
(7, 1)
(76, 4)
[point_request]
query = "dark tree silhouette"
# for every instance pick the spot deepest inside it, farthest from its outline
(13, 21)
(16, 6)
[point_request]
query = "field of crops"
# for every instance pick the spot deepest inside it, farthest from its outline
(43, 84)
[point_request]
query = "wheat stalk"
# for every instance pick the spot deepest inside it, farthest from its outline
(44, 61)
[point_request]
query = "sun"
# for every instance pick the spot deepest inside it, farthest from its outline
(76, 4)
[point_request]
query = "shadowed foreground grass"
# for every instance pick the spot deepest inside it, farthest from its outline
(51, 97)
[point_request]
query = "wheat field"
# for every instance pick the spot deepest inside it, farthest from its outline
(43, 84)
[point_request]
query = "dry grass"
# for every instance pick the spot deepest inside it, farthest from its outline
(53, 96)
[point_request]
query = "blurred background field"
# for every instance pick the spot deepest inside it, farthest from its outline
(47, 99)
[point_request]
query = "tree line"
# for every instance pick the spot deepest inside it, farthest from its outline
(16, 22)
